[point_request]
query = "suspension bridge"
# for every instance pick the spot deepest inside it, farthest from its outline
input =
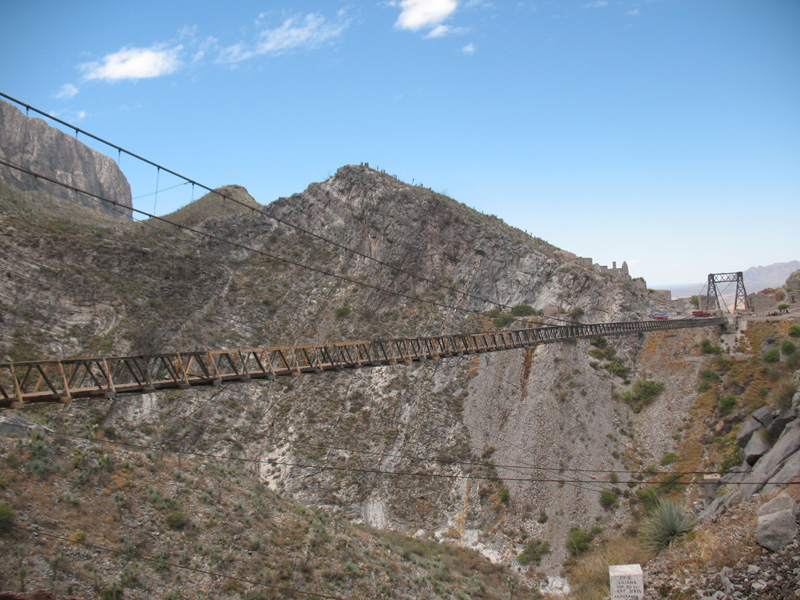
(107, 377)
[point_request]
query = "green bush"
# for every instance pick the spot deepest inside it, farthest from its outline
(706, 347)
(667, 521)
(177, 520)
(505, 495)
(788, 347)
(709, 375)
(7, 516)
(617, 369)
(601, 342)
(772, 355)
(534, 551)
(647, 496)
(607, 499)
(543, 517)
(794, 331)
(522, 310)
(578, 541)
(643, 393)
(726, 404)
(668, 459)
(783, 307)
(342, 313)
(502, 321)
(694, 301)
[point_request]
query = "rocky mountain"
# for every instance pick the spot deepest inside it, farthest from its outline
(529, 457)
(34, 145)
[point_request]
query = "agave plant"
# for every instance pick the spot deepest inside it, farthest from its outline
(668, 520)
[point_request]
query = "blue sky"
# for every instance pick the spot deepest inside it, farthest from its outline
(665, 133)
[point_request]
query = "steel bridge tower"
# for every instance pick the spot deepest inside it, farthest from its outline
(713, 295)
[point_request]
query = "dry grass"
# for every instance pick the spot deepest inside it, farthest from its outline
(589, 576)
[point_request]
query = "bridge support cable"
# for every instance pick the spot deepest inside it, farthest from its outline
(107, 377)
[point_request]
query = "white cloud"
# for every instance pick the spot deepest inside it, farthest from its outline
(135, 63)
(598, 4)
(309, 32)
(469, 48)
(66, 91)
(418, 14)
(633, 12)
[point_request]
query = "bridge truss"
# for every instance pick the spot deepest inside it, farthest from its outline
(107, 377)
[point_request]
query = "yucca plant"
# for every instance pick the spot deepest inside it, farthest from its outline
(668, 520)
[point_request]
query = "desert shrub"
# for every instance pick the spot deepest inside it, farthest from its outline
(522, 310)
(505, 495)
(342, 313)
(504, 320)
(577, 313)
(543, 517)
(668, 458)
(177, 519)
(578, 541)
(597, 353)
(647, 496)
(781, 395)
(617, 369)
(706, 347)
(772, 355)
(7, 516)
(607, 499)
(794, 331)
(667, 521)
(788, 347)
(726, 404)
(709, 375)
(642, 394)
(534, 551)
(600, 342)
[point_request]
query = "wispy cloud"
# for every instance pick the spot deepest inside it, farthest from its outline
(294, 33)
(66, 91)
(633, 12)
(597, 4)
(420, 14)
(135, 63)
(469, 49)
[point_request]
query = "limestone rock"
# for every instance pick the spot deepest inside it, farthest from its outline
(756, 448)
(35, 145)
(776, 522)
(749, 427)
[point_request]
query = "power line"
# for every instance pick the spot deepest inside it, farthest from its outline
(274, 462)
(230, 198)
(175, 565)
(243, 246)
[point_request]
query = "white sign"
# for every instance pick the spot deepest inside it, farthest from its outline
(627, 582)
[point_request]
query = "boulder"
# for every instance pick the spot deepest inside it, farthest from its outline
(779, 422)
(773, 461)
(749, 427)
(764, 415)
(756, 447)
(776, 522)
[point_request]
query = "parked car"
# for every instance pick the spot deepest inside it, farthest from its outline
(659, 316)
(700, 313)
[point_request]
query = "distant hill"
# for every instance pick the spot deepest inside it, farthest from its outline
(755, 279)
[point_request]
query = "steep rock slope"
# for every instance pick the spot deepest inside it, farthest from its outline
(489, 452)
(35, 145)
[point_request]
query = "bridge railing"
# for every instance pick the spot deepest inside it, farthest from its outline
(106, 377)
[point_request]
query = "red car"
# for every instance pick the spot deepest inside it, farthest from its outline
(700, 313)
(659, 316)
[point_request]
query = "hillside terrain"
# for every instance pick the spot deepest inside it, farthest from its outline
(467, 477)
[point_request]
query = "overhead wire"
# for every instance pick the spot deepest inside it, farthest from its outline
(262, 211)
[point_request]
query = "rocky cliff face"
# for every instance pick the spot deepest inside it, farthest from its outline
(33, 144)
(491, 452)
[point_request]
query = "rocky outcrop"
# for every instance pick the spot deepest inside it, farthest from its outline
(776, 522)
(33, 144)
